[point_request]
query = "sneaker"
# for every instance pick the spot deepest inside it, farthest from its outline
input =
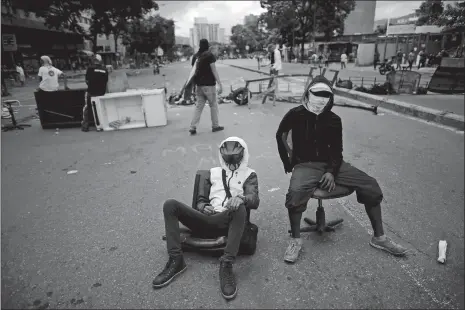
(219, 128)
(227, 281)
(85, 129)
(174, 267)
(293, 250)
(389, 246)
(193, 131)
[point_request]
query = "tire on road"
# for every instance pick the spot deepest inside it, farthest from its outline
(238, 94)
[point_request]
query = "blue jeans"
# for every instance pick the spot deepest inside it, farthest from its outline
(203, 94)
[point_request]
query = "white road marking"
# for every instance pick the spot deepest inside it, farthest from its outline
(408, 270)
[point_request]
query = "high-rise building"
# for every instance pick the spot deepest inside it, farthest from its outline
(213, 30)
(221, 36)
(203, 30)
(362, 19)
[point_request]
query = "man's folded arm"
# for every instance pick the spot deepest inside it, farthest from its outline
(251, 197)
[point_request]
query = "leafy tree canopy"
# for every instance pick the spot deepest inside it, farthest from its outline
(429, 12)
(108, 16)
(453, 16)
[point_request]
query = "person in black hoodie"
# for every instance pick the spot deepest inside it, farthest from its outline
(316, 160)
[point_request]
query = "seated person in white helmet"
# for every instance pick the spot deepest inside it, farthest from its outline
(216, 213)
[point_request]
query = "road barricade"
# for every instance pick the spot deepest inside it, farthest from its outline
(61, 108)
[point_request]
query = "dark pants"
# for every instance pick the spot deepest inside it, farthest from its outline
(375, 63)
(87, 114)
(305, 178)
(410, 64)
(230, 223)
(270, 83)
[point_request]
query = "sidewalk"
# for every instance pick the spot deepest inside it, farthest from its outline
(443, 109)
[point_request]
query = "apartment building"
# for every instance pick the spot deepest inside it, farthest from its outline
(203, 30)
(25, 38)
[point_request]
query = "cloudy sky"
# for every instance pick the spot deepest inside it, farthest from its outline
(230, 13)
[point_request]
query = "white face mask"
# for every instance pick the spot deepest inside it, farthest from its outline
(316, 104)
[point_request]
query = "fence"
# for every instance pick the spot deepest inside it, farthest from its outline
(286, 87)
(367, 82)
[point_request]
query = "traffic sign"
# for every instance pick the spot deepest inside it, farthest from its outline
(9, 43)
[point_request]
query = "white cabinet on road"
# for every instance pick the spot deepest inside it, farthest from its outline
(130, 109)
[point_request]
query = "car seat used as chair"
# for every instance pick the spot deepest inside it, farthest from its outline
(198, 241)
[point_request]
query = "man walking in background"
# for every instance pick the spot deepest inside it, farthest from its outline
(205, 78)
(276, 66)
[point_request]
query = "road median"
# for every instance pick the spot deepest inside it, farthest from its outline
(432, 115)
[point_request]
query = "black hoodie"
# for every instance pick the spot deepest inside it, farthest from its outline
(315, 138)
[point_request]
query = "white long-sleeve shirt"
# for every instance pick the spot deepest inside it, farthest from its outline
(277, 60)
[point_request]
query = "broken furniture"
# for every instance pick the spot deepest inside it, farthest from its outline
(130, 109)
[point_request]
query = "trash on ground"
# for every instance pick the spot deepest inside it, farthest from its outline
(442, 251)
(133, 171)
(274, 189)
(72, 172)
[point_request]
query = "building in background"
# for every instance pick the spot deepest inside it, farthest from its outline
(222, 36)
(203, 30)
(362, 19)
(26, 38)
(213, 33)
(106, 46)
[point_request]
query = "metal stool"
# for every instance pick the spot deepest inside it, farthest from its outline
(321, 225)
(13, 125)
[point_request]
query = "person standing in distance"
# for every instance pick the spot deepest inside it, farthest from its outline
(206, 77)
(276, 66)
(97, 85)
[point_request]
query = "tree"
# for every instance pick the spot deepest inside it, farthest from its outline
(65, 14)
(453, 16)
(429, 12)
(151, 33)
(307, 17)
(248, 34)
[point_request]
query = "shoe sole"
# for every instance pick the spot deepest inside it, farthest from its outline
(230, 296)
(387, 250)
(290, 261)
(170, 280)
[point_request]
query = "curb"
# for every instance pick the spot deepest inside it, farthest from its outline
(432, 115)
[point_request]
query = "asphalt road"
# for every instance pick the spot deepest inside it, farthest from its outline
(93, 239)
